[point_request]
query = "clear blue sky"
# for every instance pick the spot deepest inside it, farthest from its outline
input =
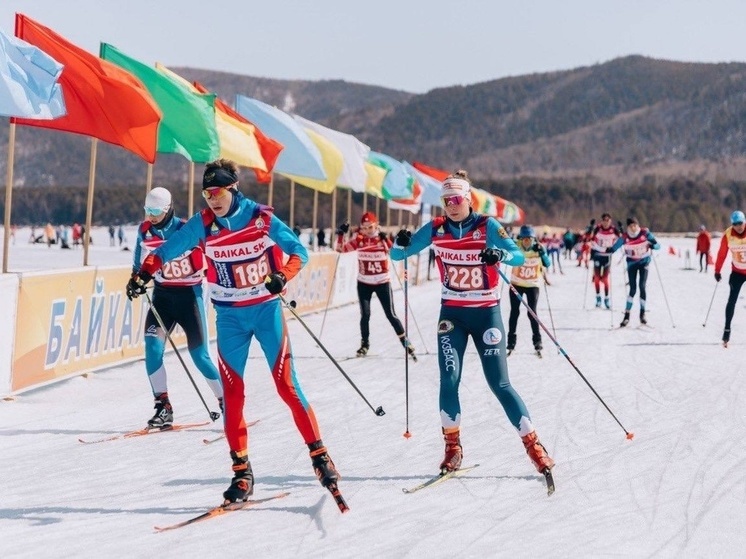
(412, 45)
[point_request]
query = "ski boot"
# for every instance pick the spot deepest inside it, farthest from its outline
(410, 348)
(364, 346)
(512, 338)
(643, 320)
(726, 337)
(322, 464)
(598, 301)
(607, 302)
(537, 453)
(164, 413)
(221, 405)
(625, 320)
(242, 484)
(454, 453)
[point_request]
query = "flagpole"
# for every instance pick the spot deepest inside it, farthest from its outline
(89, 205)
(271, 189)
(400, 219)
(378, 206)
(388, 215)
(190, 189)
(149, 179)
(334, 211)
(314, 222)
(349, 206)
(8, 193)
(292, 204)
(365, 202)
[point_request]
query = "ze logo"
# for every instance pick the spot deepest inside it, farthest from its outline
(491, 351)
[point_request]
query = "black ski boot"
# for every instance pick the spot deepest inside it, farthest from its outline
(364, 346)
(643, 320)
(625, 320)
(242, 484)
(726, 337)
(322, 464)
(537, 343)
(410, 348)
(511, 342)
(164, 413)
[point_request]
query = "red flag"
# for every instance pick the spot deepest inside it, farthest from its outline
(102, 100)
(437, 174)
(269, 148)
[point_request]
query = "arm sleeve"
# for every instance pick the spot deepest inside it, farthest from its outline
(653, 241)
(290, 245)
(722, 253)
(497, 237)
(545, 260)
(617, 244)
(420, 241)
(137, 252)
(186, 238)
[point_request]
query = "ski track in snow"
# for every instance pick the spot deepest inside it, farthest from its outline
(677, 490)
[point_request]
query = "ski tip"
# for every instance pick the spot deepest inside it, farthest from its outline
(630, 436)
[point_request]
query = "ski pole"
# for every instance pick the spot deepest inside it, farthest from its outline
(407, 434)
(611, 291)
(406, 304)
(291, 307)
(331, 294)
(655, 263)
(585, 291)
(546, 292)
(213, 414)
(710, 307)
(564, 353)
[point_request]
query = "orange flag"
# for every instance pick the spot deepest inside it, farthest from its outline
(268, 148)
(102, 100)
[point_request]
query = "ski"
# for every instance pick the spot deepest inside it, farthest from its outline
(146, 431)
(219, 510)
(341, 503)
(440, 478)
(549, 478)
(222, 435)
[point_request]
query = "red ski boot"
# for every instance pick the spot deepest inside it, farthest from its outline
(454, 452)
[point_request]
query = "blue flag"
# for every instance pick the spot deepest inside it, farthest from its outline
(28, 81)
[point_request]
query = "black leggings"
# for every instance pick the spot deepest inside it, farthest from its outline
(632, 273)
(383, 291)
(735, 281)
(532, 297)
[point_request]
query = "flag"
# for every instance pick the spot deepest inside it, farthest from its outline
(332, 160)
(300, 155)
(438, 174)
(188, 122)
(243, 142)
(102, 100)
(375, 176)
(28, 81)
(398, 182)
(354, 152)
(430, 187)
(411, 204)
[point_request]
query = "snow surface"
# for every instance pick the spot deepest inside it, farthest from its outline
(677, 490)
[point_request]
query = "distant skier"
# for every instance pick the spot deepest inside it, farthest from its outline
(372, 246)
(177, 298)
(525, 278)
(638, 243)
(733, 240)
(469, 248)
(704, 240)
(602, 236)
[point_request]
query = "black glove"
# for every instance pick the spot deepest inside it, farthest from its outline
(620, 226)
(404, 238)
(383, 236)
(492, 256)
(608, 250)
(136, 284)
(718, 277)
(275, 282)
(538, 247)
(343, 229)
(593, 222)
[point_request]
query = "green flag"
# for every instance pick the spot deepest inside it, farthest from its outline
(188, 123)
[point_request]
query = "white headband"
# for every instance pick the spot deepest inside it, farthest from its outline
(455, 186)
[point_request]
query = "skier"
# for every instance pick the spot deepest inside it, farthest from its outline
(525, 278)
(468, 249)
(734, 239)
(638, 244)
(703, 247)
(372, 246)
(245, 245)
(602, 236)
(177, 298)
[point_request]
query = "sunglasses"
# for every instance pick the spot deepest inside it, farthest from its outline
(452, 200)
(155, 212)
(213, 193)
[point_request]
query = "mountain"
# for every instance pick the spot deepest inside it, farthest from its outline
(630, 122)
